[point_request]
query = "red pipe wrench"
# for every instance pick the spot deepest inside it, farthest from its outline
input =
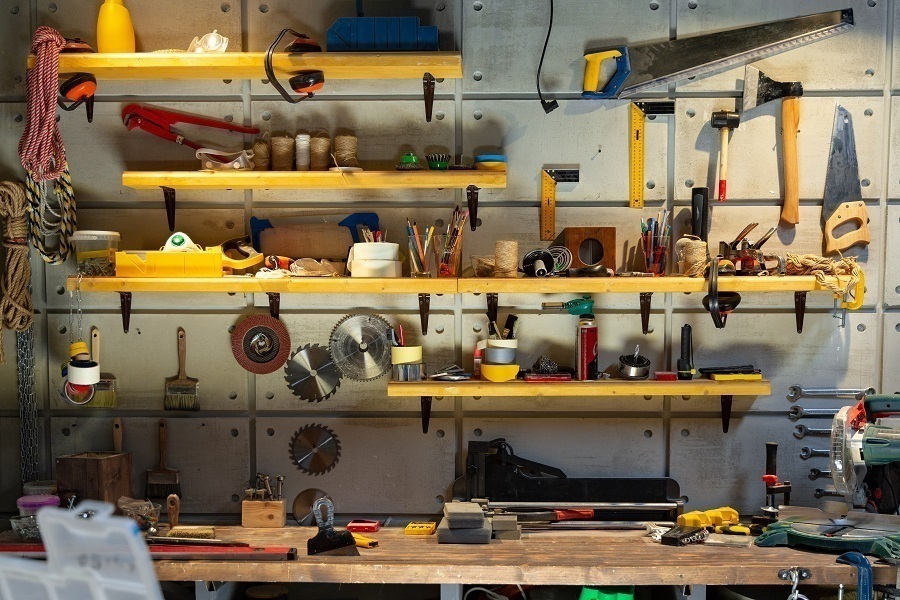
(160, 123)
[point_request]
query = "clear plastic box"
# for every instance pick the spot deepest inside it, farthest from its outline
(95, 252)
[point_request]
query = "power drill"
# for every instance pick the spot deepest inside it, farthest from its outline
(577, 307)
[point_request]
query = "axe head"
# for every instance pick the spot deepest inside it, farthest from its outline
(759, 89)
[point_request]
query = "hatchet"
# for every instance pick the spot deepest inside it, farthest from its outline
(759, 89)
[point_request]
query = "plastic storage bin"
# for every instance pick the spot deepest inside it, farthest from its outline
(96, 252)
(29, 505)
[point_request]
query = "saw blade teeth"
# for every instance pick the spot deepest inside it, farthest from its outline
(311, 373)
(359, 346)
(313, 444)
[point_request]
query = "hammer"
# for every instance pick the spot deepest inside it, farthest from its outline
(759, 89)
(724, 121)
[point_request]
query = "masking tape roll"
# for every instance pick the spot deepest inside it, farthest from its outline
(376, 251)
(375, 268)
(405, 355)
(83, 372)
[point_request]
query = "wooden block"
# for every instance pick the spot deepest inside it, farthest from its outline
(263, 513)
(512, 534)
(504, 523)
(105, 476)
(590, 246)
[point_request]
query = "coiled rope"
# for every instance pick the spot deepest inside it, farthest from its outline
(16, 307)
(43, 155)
(821, 267)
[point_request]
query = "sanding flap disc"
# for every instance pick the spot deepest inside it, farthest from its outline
(261, 344)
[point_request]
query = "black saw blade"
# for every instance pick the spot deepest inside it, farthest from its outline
(315, 449)
(303, 505)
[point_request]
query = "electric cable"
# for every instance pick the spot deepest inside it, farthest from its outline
(549, 106)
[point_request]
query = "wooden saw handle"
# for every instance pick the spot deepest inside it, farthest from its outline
(790, 123)
(848, 212)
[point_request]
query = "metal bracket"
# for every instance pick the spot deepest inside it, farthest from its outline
(493, 303)
(802, 573)
(424, 310)
(799, 309)
(169, 196)
(274, 304)
(645, 312)
(428, 89)
(426, 413)
(125, 303)
(725, 402)
(472, 201)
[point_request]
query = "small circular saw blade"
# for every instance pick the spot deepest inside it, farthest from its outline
(360, 347)
(261, 344)
(311, 374)
(315, 449)
(303, 505)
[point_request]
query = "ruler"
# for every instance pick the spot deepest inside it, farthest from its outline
(549, 179)
(636, 138)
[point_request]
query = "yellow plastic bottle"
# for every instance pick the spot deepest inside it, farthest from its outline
(115, 33)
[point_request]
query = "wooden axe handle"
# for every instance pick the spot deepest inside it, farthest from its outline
(790, 122)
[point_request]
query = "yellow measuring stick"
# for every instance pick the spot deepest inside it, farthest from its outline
(636, 155)
(548, 206)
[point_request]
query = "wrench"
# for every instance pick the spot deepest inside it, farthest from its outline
(798, 412)
(820, 493)
(816, 473)
(806, 452)
(795, 392)
(801, 431)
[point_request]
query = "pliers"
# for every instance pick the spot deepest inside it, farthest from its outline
(160, 123)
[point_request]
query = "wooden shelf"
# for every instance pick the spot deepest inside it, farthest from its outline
(292, 180)
(599, 285)
(249, 65)
(234, 284)
(697, 387)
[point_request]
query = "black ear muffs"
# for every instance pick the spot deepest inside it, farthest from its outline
(78, 89)
(306, 82)
(719, 304)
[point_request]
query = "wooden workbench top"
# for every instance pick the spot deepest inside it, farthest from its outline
(539, 558)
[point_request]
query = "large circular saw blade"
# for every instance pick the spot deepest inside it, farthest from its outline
(360, 346)
(261, 344)
(311, 374)
(303, 505)
(315, 449)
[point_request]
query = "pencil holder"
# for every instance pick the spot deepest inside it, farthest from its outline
(447, 253)
(421, 256)
(655, 249)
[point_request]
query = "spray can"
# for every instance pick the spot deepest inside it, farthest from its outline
(586, 358)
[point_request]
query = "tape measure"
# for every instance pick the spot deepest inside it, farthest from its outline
(549, 179)
(636, 140)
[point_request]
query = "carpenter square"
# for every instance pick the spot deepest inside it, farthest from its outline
(842, 201)
(645, 66)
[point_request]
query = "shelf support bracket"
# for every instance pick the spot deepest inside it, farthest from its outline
(424, 310)
(169, 196)
(645, 312)
(725, 400)
(426, 413)
(274, 304)
(472, 200)
(428, 89)
(125, 303)
(799, 309)
(493, 303)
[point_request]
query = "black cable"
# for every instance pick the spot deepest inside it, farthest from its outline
(553, 104)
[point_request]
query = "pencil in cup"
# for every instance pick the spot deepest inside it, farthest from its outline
(421, 256)
(447, 254)
(656, 250)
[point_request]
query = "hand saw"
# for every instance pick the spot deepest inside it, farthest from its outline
(842, 202)
(645, 66)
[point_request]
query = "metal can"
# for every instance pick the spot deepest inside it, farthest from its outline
(586, 358)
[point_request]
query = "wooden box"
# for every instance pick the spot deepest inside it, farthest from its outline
(105, 476)
(263, 513)
(590, 246)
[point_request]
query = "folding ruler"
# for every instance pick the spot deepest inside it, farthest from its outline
(639, 111)
(549, 179)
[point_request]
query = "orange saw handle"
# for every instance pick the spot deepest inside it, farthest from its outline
(848, 212)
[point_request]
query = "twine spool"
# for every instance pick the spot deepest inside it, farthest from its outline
(301, 152)
(262, 155)
(506, 258)
(693, 256)
(820, 266)
(282, 153)
(320, 151)
(345, 146)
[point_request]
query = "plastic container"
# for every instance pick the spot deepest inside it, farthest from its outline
(43, 486)
(29, 505)
(95, 252)
(26, 528)
(115, 32)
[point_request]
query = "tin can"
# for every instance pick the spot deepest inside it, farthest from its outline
(587, 348)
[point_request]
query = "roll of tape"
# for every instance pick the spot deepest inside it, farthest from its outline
(83, 372)
(376, 251)
(406, 355)
(375, 268)
(410, 372)
(502, 343)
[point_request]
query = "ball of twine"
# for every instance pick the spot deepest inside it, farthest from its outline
(301, 151)
(506, 258)
(345, 149)
(320, 151)
(261, 155)
(282, 153)
(693, 255)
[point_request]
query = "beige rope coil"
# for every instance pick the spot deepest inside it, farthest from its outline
(692, 255)
(262, 155)
(319, 151)
(282, 153)
(506, 258)
(16, 307)
(821, 267)
(345, 149)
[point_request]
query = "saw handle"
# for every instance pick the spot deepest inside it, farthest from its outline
(848, 212)
(790, 124)
(593, 61)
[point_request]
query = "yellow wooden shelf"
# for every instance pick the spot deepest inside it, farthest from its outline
(599, 285)
(235, 284)
(696, 387)
(257, 180)
(249, 65)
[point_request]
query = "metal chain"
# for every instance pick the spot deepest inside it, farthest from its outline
(75, 299)
(28, 418)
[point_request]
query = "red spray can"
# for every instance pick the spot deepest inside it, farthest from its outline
(587, 366)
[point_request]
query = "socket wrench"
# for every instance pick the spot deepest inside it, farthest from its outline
(820, 493)
(798, 412)
(795, 392)
(806, 452)
(817, 473)
(801, 431)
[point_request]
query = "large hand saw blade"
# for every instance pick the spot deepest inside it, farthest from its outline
(645, 66)
(842, 200)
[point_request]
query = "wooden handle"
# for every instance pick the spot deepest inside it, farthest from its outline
(182, 352)
(95, 345)
(117, 434)
(163, 425)
(790, 123)
(173, 508)
(723, 163)
(849, 212)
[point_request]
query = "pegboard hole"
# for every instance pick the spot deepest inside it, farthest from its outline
(685, 432)
(60, 290)
(232, 395)
(476, 328)
(477, 433)
(439, 223)
(51, 7)
(860, 328)
(654, 6)
(439, 330)
(17, 79)
(478, 6)
(66, 431)
(228, 118)
(235, 498)
(651, 184)
(231, 329)
(648, 433)
(868, 112)
(865, 183)
(63, 329)
(871, 3)
(439, 115)
(440, 433)
(18, 118)
(269, 395)
(897, 327)
(477, 75)
(439, 499)
(870, 72)
(264, 81)
(264, 8)
(14, 10)
(691, 113)
(692, 5)
(227, 81)
(234, 433)
(270, 432)
(689, 183)
(478, 222)
(440, 6)
(266, 115)
(648, 397)
(138, 330)
(225, 7)
(477, 115)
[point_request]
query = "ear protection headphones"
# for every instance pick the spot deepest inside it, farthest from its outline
(303, 82)
(79, 88)
(719, 304)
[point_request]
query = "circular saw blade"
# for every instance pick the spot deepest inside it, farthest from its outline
(315, 449)
(360, 346)
(303, 505)
(261, 344)
(311, 374)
